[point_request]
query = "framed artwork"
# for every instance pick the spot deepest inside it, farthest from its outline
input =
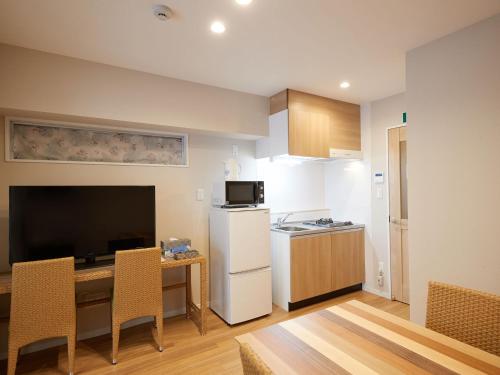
(55, 142)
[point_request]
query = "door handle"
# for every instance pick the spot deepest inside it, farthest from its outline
(396, 221)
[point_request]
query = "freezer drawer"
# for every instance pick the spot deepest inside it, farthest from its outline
(249, 240)
(250, 294)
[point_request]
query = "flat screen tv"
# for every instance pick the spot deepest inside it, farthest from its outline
(86, 222)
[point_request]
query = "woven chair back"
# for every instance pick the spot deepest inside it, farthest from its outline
(138, 284)
(467, 315)
(252, 364)
(43, 300)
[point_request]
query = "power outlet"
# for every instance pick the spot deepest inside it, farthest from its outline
(380, 275)
(380, 280)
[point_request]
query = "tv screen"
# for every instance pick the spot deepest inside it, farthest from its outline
(48, 222)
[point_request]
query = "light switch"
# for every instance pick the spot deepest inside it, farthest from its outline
(200, 194)
(379, 192)
(380, 267)
(236, 150)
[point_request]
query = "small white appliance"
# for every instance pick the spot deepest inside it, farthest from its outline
(238, 193)
(240, 263)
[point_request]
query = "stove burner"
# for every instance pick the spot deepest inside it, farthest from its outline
(324, 221)
(328, 222)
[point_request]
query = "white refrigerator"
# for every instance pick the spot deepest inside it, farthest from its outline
(240, 263)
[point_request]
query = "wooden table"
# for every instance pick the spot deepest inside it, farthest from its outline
(356, 338)
(198, 315)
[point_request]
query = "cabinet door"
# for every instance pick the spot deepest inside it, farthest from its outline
(308, 133)
(348, 258)
(332, 124)
(345, 127)
(310, 266)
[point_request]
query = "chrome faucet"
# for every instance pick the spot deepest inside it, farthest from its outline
(281, 220)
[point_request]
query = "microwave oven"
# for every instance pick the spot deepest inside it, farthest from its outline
(238, 193)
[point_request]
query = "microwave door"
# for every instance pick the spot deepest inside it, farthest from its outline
(240, 192)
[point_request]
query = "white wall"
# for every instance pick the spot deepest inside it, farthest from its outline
(292, 185)
(351, 194)
(34, 81)
(453, 96)
(385, 113)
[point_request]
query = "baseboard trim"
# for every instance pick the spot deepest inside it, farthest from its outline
(323, 297)
(380, 293)
(135, 322)
(91, 334)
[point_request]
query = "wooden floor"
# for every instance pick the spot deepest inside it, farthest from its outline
(186, 351)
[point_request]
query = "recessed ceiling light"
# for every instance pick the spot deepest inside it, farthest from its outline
(345, 85)
(244, 2)
(217, 27)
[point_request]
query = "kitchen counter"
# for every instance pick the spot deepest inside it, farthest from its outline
(312, 229)
(316, 263)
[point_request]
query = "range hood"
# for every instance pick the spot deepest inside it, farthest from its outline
(335, 154)
(345, 154)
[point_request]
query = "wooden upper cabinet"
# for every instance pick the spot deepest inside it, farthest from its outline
(345, 126)
(316, 124)
(278, 102)
(308, 133)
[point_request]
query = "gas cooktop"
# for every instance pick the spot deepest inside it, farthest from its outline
(329, 223)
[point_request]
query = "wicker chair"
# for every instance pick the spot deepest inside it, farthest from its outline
(137, 291)
(252, 364)
(464, 314)
(42, 306)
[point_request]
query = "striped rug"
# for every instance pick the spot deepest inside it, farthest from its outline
(354, 338)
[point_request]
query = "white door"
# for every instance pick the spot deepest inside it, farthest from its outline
(398, 211)
(249, 240)
(250, 294)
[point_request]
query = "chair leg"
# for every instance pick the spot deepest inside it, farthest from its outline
(116, 339)
(71, 353)
(188, 292)
(159, 330)
(12, 359)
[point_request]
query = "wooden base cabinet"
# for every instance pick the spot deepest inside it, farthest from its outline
(310, 266)
(315, 265)
(325, 263)
(348, 258)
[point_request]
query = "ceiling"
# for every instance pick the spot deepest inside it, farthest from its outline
(268, 46)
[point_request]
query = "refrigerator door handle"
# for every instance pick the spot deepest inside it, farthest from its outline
(253, 270)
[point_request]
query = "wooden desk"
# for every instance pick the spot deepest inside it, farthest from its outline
(356, 338)
(198, 315)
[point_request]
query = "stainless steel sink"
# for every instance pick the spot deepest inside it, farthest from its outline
(291, 229)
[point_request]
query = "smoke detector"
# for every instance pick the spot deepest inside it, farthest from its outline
(162, 12)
